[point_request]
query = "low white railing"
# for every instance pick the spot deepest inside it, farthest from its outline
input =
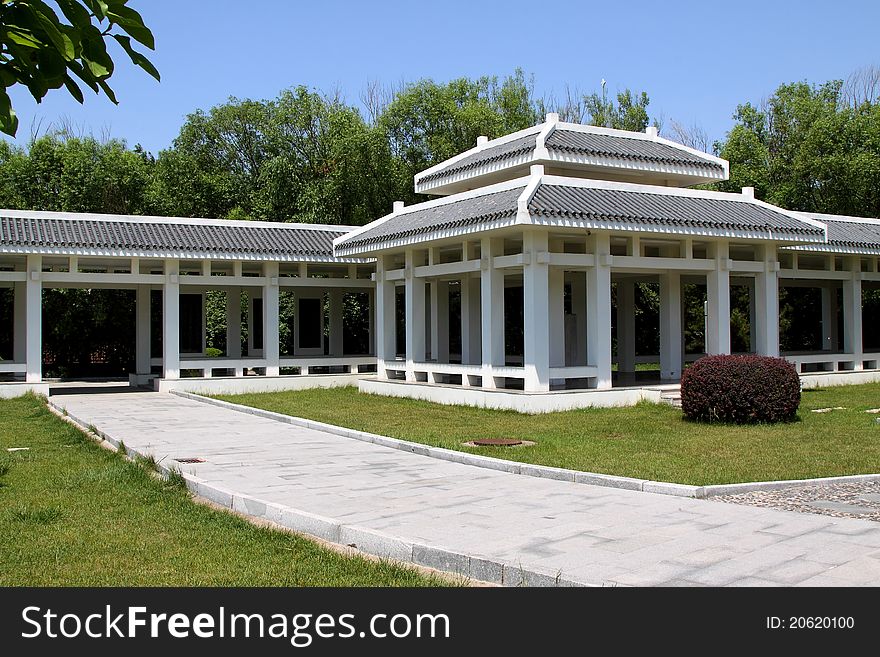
(833, 361)
(8, 367)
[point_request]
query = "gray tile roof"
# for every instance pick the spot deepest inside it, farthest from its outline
(597, 207)
(152, 235)
(562, 141)
(480, 209)
(627, 148)
(852, 234)
(663, 211)
(497, 153)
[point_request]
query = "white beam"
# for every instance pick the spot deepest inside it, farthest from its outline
(171, 321)
(671, 356)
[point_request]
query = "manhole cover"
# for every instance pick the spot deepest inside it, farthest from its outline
(191, 459)
(498, 442)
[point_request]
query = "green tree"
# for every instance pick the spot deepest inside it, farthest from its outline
(42, 52)
(630, 112)
(808, 148)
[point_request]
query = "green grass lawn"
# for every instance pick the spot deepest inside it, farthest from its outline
(648, 441)
(73, 513)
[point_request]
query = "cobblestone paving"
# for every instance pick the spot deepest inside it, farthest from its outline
(855, 500)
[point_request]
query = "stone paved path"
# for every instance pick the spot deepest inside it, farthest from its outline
(847, 500)
(587, 534)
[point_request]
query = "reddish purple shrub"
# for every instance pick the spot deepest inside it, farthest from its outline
(740, 390)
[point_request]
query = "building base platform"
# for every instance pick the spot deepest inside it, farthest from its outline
(515, 400)
(247, 384)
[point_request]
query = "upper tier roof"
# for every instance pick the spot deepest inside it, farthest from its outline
(574, 150)
(164, 237)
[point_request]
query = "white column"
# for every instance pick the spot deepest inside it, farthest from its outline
(171, 321)
(34, 319)
(371, 311)
(271, 339)
(415, 315)
(386, 336)
(671, 357)
(558, 347)
(537, 310)
(599, 310)
(470, 321)
(19, 330)
(718, 302)
(233, 322)
(142, 330)
(579, 310)
(852, 311)
(766, 327)
(626, 326)
(491, 309)
(336, 321)
(440, 321)
(829, 317)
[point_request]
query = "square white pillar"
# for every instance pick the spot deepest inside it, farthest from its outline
(558, 346)
(852, 312)
(537, 312)
(766, 327)
(718, 302)
(626, 326)
(336, 321)
(471, 346)
(440, 321)
(371, 322)
(386, 326)
(142, 329)
(271, 339)
(491, 309)
(829, 317)
(671, 356)
(599, 310)
(171, 321)
(579, 310)
(414, 290)
(34, 319)
(19, 329)
(233, 322)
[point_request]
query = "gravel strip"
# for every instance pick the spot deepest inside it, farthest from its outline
(817, 499)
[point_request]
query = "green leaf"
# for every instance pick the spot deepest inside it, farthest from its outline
(108, 91)
(137, 57)
(85, 75)
(74, 89)
(75, 13)
(61, 41)
(8, 119)
(130, 21)
(98, 8)
(23, 39)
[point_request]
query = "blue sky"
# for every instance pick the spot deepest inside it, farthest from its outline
(696, 60)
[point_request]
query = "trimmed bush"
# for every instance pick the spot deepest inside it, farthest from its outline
(740, 390)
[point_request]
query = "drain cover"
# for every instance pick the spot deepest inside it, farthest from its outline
(191, 459)
(496, 442)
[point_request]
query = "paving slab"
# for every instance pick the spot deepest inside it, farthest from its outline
(505, 527)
